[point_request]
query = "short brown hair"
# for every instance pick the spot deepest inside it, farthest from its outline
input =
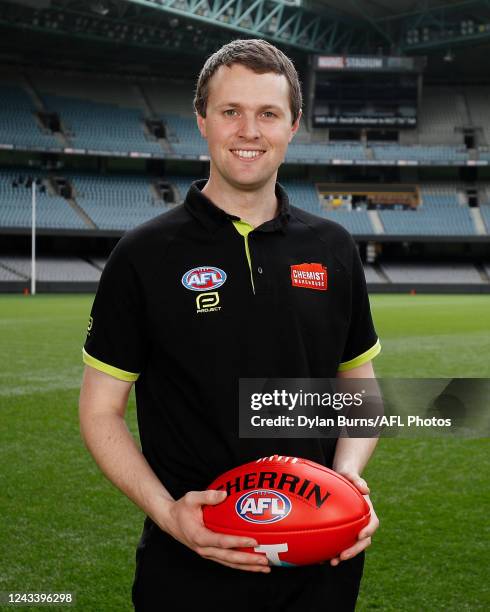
(256, 54)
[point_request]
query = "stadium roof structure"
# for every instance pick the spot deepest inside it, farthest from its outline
(404, 27)
(192, 24)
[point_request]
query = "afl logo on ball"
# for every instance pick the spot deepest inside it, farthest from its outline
(263, 506)
(204, 278)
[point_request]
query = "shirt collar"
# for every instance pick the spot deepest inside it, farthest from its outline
(212, 217)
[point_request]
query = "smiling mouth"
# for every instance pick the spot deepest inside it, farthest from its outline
(247, 154)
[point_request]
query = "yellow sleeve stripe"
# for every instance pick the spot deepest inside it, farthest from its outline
(108, 369)
(361, 359)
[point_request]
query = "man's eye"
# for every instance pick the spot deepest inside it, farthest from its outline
(230, 112)
(269, 114)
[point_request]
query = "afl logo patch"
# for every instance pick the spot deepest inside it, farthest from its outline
(204, 278)
(263, 506)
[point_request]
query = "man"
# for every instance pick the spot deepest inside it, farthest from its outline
(197, 298)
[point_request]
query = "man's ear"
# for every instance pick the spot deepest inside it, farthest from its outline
(295, 126)
(201, 124)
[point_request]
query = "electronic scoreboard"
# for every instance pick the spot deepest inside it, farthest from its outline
(365, 90)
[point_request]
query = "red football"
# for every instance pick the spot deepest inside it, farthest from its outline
(299, 511)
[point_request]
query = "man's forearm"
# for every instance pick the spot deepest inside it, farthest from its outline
(352, 454)
(119, 458)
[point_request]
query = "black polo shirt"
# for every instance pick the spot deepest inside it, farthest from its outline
(194, 299)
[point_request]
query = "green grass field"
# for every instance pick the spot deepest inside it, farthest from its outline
(65, 528)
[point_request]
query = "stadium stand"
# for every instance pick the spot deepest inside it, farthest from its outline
(485, 213)
(440, 214)
(98, 117)
(115, 202)
(322, 152)
(184, 136)
(103, 117)
(120, 202)
(101, 127)
(440, 195)
(427, 222)
(420, 153)
(110, 117)
(432, 273)
(6, 274)
(372, 276)
(52, 211)
(356, 221)
(179, 103)
(52, 269)
(484, 154)
(479, 109)
(442, 110)
(87, 86)
(303, 195)
(18, 124)
(181, 185)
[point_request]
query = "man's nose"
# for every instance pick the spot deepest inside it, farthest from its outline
(249, 127)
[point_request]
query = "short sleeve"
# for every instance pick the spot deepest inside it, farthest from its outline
(115, 342)
(362, 342)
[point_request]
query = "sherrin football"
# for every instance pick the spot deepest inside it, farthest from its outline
(298, 511)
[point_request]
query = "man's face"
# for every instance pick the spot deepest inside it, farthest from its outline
(247, 125)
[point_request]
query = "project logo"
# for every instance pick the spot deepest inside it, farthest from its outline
(208, 302)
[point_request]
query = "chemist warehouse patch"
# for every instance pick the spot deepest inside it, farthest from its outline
(309, 276)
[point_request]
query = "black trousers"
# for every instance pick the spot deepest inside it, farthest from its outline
(170, 577)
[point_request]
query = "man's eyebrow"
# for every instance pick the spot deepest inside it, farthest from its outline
(238, 105)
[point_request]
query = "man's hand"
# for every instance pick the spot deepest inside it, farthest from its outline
(103, 401)
(364, 537)
(183, 520)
